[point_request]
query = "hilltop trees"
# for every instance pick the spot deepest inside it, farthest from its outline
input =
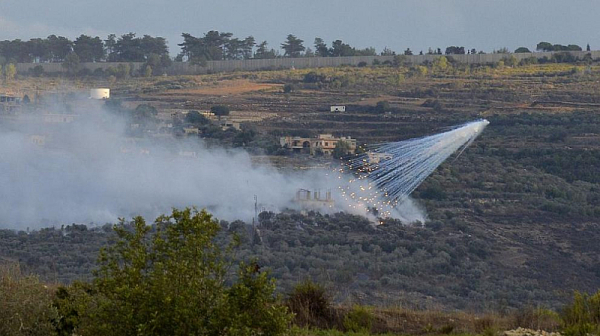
(215, 46)
(293, 46)
(546, 46)
(522, 50)
(89, 49)
(321, 49)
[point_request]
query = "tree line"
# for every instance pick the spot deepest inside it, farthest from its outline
(212, 46)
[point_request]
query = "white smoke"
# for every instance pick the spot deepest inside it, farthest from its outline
(88, 171)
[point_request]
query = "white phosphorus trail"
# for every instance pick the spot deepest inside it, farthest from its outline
(386, 174)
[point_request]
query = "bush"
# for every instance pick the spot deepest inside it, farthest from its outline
(537, 319)
(582, 316)
(311, 306)
(37, 71)
(170, 279)
(359, 319)
(220, 110)
(382, 106)
(25, 303)
(362, 64)
(287, 88)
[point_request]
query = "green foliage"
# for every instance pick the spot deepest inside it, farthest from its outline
(342, 148)
(360, 318)
(10, 71)
(440, 64)
(195, 118)
(37, 71)
(582, 316)
(220, 110)
(522, 50)
(169, 279)
(311, 305)
(288, 88)
(293, 46)
(25, 303)
(382, 106)
(250, 305)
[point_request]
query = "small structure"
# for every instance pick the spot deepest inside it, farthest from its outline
(39, 140)
(100, 93)
(9, 103)
(338, 108)
(191, 130)
(59, 118)
(313, 200)
(227, 124)
(375, 157)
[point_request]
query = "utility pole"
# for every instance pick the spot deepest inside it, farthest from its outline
(255, 218)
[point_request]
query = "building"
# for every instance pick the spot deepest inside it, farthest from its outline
(191, 130)
(100, 93)
(338, 108)
(227, 124)
(313, 200)
(59, 118)
(323, 143)
(9, 103)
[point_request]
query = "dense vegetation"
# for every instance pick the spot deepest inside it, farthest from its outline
(175, 277)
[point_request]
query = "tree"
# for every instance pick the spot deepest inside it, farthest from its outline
(71, 63)
(455, 50)
(544, 46)
(587, 48)
(10, 71)
(59, 47)
(25, 303)
(195, 118)
(440, 64)
(387, 52)
(339, 48)
(522, 50)
(109, 44)
(408, 52)
(37, 71)
(293, 46)
(321, 49)
(341, 149)
(220, 110)
(262, 51)
(382, 106)
(89, 49)
(170, 279)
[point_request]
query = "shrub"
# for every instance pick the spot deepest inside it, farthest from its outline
(582, 316)
(536, 319)
(170, 279)
(220, 110)
(359, 319)
(287, 88)
(362, 64)
(37, 71)
(311, 305)
(25, 303)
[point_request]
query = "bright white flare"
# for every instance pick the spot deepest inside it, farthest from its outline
(387, 173)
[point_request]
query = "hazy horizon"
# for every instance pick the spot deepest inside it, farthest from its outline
(398, 24)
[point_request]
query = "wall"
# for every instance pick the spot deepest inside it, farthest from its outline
(179, 68)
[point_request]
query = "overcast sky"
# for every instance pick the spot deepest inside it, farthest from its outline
(397, 24)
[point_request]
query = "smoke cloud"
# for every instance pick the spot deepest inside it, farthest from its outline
(87, 171)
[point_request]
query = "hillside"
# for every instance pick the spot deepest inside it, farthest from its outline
(513, 221)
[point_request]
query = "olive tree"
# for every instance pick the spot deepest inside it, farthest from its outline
(170, 279)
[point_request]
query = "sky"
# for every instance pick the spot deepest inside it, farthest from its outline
(397, 24)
